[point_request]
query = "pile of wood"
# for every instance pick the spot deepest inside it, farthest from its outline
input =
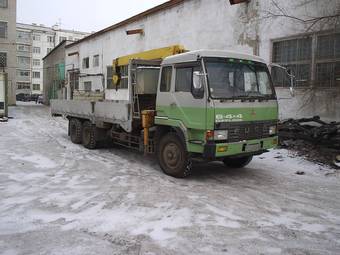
(312, 130)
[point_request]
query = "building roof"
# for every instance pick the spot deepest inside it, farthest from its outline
(42, 27)
(56, 47)
(154, 10)
(192, 56)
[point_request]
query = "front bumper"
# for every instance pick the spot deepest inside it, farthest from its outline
(214, 150)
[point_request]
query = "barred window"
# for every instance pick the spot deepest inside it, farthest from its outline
(327, 70)
(74, 80)
(3, 59)
(109, 74)
(295, 55)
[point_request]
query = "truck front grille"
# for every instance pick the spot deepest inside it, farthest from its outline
(239, 131)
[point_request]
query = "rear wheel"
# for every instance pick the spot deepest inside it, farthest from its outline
(173, 157)
(237, 162)
(76, 130)
(89, 135)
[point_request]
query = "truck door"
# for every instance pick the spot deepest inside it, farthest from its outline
(178, 103)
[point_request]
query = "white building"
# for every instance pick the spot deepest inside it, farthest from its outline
(33, 43)
(311, 49)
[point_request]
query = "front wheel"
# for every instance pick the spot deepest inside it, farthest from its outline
(173, 157)
(237, 162)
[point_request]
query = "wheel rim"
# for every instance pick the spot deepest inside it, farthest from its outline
(171, 155)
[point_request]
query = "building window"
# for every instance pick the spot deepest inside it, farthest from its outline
(86, 63)
(95, 60)
(166, 79)
(3, 29)
(123, 82)
(36, 75)
(50, 39)
(109, 74)
(23, 85)
(24, 61)
(87, 86)
(36, 86)
(3, 59)
(36, 50)
(327, 60)
(295, 55)
(23, 48)
(36, 37)
(23, 73)
(74, 80)
(3, 3)
(62, 38)
(36, 62)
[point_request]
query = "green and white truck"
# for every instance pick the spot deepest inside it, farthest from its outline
(206, 104)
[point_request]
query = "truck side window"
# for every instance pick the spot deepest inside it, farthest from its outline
(166, 79)
(183, 79)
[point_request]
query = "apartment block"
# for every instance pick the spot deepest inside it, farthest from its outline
(34, 42)
(7, 44)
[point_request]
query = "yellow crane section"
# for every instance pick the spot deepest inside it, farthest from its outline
(160, 53)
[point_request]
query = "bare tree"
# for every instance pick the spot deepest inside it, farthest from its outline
(326, 18)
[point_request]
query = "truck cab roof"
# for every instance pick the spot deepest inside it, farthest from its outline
(191, 56)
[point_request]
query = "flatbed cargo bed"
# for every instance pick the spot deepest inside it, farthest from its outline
(115, 112)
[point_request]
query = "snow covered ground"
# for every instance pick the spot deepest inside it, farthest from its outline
(60, 198)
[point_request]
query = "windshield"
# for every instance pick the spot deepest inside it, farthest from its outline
(230, 78)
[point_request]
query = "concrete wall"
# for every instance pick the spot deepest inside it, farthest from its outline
(198, 24)
(8, 45)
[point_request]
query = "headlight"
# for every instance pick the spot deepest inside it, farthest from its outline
(272, 130)
(221, 135)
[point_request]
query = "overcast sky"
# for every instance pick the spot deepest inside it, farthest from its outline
(82, 15)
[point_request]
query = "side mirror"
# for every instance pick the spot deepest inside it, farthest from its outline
(197, 85)
(292, 82)
(290, 75)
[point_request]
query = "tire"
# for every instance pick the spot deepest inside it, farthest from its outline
(237, 162)
(76, 129)
(89, 135)
(173, 156)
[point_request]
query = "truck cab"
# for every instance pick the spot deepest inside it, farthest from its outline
(220, 105)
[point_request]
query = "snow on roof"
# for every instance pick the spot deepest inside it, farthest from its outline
(194, 55)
